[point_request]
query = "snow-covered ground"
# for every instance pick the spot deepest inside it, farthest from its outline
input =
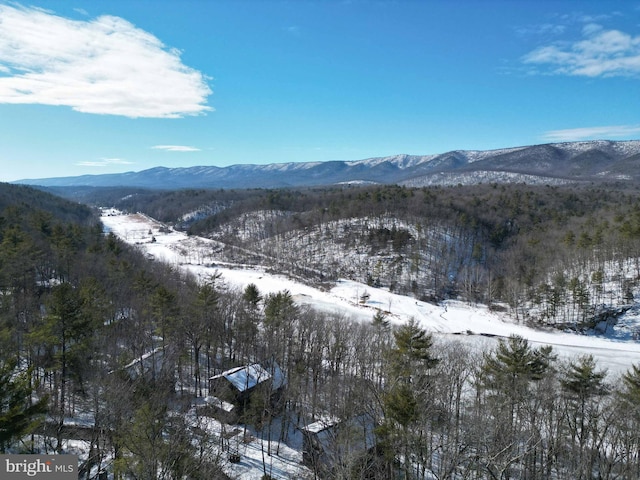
(475, 325)
(616, 350)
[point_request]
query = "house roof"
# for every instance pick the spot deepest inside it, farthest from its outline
(246, 377)
(337, 437)
(219, 403)
(322, 424)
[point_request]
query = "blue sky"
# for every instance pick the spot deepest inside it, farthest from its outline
(93, 87)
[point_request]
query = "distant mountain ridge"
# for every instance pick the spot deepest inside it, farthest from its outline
(598, 160)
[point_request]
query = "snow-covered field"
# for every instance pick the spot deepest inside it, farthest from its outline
(475, 325)
(616, 350)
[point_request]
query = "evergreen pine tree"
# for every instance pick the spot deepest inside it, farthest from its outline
(19, 414)
(583, 386)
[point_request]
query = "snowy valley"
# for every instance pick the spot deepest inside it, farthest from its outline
(350, 332)
(616, 349)
(451, 322)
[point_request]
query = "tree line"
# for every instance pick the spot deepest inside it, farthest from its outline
(555, 255)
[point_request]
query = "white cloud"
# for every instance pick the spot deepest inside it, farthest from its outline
(293, 30)
(591, 29)
(176, 148)
(601, 52)
(592, 133)
(546, 29)
(104, 162)
(102, 66)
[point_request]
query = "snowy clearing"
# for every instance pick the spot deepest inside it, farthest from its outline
(474, 324)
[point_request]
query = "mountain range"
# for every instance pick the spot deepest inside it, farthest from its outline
(591, 161)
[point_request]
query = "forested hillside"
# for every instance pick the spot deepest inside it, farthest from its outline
(555, 255)
(100, 345)
(17, 199)
(76, 307)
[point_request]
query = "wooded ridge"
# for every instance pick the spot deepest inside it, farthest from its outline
(560, 163)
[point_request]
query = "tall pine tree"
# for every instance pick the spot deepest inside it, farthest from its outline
(19, 413)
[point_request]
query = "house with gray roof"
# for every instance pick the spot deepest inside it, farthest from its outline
(234, 388)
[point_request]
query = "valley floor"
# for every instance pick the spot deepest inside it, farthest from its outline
(473, 325)
(616, 350)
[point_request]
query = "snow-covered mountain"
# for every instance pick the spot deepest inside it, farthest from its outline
(549, 164)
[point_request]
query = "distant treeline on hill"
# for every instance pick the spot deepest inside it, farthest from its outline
(549, 164)
(554, 254)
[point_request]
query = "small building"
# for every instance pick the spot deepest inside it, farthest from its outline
(148, 365)
(331, 442)
(224, 411)
(157, 365)
(234, 388)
